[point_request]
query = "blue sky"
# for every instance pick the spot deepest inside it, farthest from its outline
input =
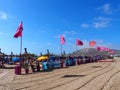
(45, 20)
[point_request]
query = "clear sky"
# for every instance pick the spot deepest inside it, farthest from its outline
(45, 20)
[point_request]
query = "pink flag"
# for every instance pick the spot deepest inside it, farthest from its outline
(78, 42)
(102, 48)
(19, 31)
(92, 43)
(106, 49)
(62, 39)
(98, 48)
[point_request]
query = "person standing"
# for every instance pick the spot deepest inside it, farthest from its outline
(38, 66)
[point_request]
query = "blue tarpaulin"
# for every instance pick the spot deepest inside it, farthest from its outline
(14, 59)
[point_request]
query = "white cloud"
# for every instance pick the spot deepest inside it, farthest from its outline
(70, 38)
(85, 25)
(98, 22)
(99, 41)
(101, 18)
(109, 44)
(70, 32)
(101, 22)
(106, 8)
(66, 34)
(48, 43)
(3, 15)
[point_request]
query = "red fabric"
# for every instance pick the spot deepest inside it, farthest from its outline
(102, 48)
(19, 31)
(106, 49)
(92, 43)
(62, 39)
(78, 42)
(98, 48)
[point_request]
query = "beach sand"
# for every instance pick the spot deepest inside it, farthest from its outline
(91, 76)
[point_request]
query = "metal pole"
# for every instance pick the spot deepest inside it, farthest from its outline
(21, 48)
(76, 47)
(61, 49)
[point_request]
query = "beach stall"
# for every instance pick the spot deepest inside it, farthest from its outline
(43, 59)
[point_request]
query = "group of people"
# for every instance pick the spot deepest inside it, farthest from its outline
(55, 62)
(28, 63)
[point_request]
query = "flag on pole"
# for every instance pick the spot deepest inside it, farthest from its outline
(19, 31)
(78, 42)
(92, 43)
(102, 48)
(106, 49)
(62, 39)
(98, 48)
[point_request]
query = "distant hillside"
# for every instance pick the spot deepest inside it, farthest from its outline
(92, 52)
(116, 51)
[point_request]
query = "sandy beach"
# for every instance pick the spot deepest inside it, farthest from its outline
(91, 76)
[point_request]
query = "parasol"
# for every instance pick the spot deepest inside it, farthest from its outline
(42, 58)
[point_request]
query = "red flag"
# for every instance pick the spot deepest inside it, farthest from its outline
(98, 48)
(92, 43)
(19, 31)
(62, 39)
(78, 42)
(106, 49)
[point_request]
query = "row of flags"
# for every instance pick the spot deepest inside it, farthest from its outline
(91, 44)
(62, 40)
(102, 48)
(78, 42)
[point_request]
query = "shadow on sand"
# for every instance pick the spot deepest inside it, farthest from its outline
(68, 76)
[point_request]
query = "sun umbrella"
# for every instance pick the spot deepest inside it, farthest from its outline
(42, 58)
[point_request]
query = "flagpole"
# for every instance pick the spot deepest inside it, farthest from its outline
(21, 48)
(76, 47)
(61, 48)
(21, 44)
(19, 34)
